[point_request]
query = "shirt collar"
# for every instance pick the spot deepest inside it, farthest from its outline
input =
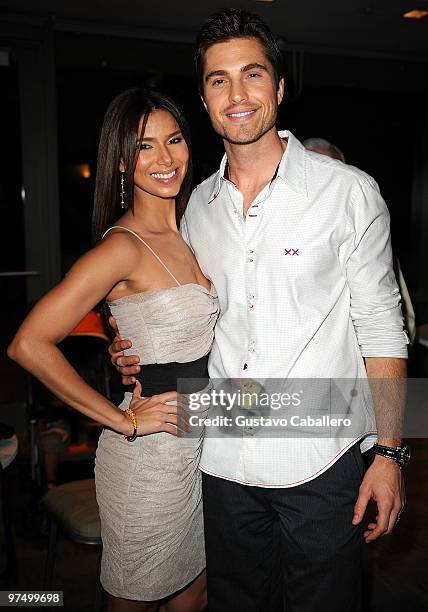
(218, 180)
(291, 168)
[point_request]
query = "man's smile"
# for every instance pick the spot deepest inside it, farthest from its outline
(239, 116)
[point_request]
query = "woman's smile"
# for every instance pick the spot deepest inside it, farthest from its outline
(165, 178)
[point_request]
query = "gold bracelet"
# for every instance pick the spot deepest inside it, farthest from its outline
(133, 418)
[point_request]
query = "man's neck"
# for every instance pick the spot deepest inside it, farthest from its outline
(252, 166)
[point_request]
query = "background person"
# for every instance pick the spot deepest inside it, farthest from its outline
(323, 147)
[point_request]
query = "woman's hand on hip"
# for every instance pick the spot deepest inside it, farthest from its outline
(158, 413)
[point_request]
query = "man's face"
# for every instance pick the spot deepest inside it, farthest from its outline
(239, 90)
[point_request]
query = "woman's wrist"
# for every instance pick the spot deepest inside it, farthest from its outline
(125, 426)
(133, 420)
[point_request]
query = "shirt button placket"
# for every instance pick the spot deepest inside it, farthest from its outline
(251, 301)
(250, 258)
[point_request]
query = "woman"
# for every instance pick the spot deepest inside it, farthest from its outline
(148, 488)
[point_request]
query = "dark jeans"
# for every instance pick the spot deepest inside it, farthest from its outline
(297, 545)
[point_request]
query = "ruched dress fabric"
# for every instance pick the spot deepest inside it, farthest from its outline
(149, 491)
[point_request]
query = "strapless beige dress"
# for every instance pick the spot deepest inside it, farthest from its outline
(149, 491)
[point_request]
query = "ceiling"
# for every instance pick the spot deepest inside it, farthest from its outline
(363, 28)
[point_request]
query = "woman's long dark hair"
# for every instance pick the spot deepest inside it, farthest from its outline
(118, 143)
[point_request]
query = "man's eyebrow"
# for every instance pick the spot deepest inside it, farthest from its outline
(167, 138)
(215, 73)
(256, 65)
(245, 68)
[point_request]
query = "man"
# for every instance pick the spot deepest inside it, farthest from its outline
(298, 249)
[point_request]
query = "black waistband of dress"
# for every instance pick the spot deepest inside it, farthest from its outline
(188, 377)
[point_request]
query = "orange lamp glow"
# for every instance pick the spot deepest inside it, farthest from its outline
(415, 14)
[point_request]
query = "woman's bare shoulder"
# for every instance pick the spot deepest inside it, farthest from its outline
(113, 258)
(119, 242)
(121, 236)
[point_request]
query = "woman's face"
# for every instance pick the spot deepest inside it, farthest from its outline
(163, 157)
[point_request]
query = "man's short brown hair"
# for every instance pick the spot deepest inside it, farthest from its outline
(232, 23)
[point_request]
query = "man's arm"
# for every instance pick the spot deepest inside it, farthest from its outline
(378, 323)
(127, 365)
(383, 480)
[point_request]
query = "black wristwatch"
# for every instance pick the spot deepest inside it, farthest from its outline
(399, 454)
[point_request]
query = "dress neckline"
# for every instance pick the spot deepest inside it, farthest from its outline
(210, 291)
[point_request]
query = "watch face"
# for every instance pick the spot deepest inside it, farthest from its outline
(405, 455)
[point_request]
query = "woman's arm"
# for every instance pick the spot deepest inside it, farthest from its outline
(58, 312)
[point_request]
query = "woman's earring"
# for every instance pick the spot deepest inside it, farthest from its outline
(122, 190)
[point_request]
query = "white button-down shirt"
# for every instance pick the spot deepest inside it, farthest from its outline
(306, 290)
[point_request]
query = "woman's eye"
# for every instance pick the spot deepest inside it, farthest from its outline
(176, 140)
(143, 146)
(217, 82)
